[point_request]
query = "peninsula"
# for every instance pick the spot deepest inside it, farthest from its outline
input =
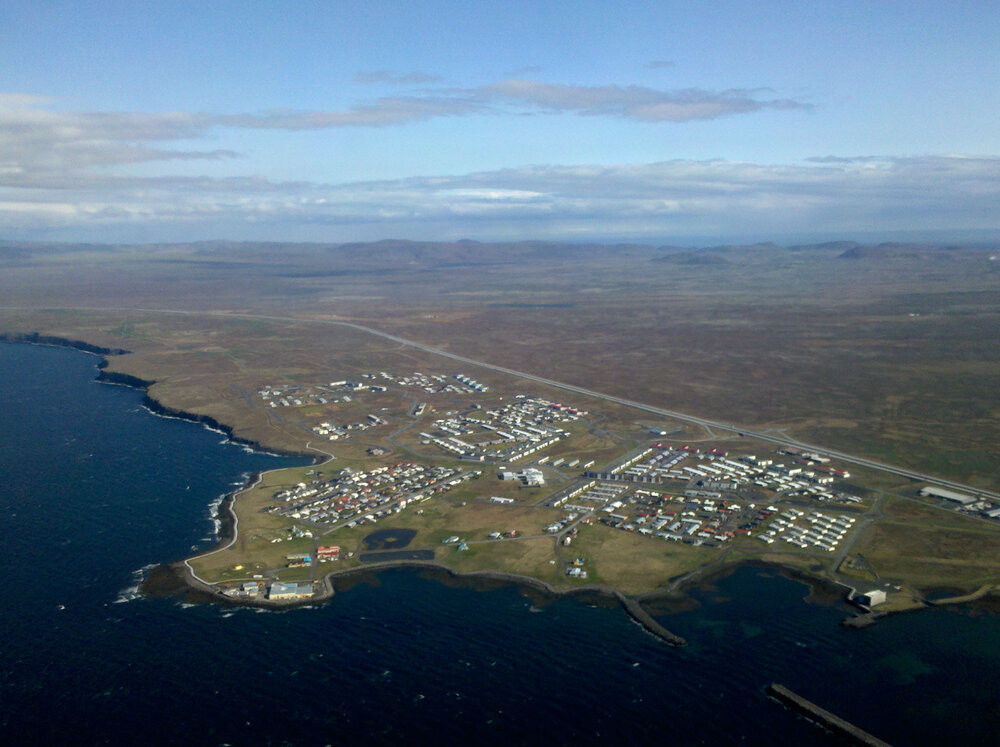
(535, 443)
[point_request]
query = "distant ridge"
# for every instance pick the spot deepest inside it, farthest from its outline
(825, 246)
(892, 250)
(469, 249)
(694, 257)
(400, 254)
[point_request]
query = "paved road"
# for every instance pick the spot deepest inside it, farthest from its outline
(875, 512)
(684, 417)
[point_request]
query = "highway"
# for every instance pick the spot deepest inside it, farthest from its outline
(684, 417)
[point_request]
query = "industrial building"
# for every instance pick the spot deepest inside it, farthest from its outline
(530, 476)
(948, 495)
(872, 598)
(287, 591)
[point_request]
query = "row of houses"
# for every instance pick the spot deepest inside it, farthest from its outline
(506, 434)
(714, 469)
(437, 383)
(368, 495)
(813, 530)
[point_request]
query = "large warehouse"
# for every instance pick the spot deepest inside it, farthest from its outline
(948, 495)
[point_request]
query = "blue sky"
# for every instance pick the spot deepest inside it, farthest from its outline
(656, 122)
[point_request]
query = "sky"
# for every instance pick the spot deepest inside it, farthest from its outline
(656, 122)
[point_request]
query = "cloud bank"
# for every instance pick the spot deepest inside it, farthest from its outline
(629, 201)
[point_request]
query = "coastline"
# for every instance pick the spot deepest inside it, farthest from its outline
(178, 577)
(165, 411)
(158, 408)
(33, 338)
(532, 587)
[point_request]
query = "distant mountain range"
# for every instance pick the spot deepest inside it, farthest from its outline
(401, 252)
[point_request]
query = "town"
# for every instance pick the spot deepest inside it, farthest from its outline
(536, 483)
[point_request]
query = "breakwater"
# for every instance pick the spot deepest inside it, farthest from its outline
(823, 717)
(643, 618)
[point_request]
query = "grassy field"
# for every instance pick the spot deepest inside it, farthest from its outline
(926, 547)
(632, 562)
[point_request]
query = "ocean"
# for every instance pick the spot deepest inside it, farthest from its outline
(94, 489)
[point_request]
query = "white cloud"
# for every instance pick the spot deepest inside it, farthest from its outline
(842, 197)
(638, 103)
(391, 76)
(381, 112)
(635, 102)
(36, 139)
(41, 146)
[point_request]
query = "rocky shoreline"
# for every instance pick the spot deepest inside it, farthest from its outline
(34, 338)
(158, 408)
(155, 406)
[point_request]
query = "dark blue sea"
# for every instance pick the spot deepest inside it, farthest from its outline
(94, 488)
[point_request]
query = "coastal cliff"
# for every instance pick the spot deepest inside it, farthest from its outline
(37, 339)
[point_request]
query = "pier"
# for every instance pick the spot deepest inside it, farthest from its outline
(643, 618)
(823, 717)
